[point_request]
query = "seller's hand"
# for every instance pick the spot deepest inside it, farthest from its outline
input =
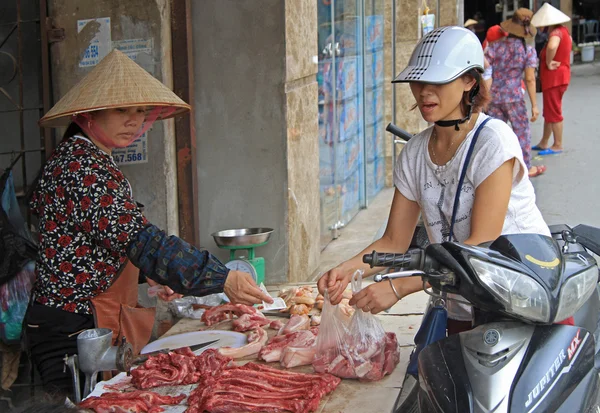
(167, 294)
(241, 288)
(534, 113)
(335, 282)
(376, 297)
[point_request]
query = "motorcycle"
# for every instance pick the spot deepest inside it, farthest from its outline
(515, 358)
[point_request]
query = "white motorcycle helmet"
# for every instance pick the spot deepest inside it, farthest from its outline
(442, 56)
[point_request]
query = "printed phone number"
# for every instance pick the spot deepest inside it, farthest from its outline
(130, 157)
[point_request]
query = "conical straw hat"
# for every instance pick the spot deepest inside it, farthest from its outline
(549, 15)
(470, 22)
(116, 82)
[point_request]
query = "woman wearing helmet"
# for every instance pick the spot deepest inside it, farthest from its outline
(444, 74)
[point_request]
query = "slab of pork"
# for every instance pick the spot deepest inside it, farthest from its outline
(295, 323)
(136, 401)
(227, 311)
(247, 322)
(256, 340)
(274, 349)
(258, 388)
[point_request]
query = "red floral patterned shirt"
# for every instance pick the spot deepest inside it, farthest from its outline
(87, 220)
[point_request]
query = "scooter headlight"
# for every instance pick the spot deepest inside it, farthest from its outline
(575, 292)
(520, 294)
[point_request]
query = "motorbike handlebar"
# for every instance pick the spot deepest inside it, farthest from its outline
(412, 260)
(401, 133)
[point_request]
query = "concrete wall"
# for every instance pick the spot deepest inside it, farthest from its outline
(154, 183)
(301, 92)
(239, 68)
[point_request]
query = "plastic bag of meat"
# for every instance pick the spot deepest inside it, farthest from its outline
(358, 349)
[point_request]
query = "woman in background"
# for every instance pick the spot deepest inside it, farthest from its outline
(510, 58)
(555, 73)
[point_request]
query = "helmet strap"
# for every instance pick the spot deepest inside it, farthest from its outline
(455, 122)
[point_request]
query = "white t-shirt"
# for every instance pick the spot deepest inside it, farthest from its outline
(433, 187)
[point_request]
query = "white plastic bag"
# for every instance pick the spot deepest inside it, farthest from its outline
(359, 349)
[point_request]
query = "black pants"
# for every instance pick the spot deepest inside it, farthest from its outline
(51, 334)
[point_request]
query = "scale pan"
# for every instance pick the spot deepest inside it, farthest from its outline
(242, 237)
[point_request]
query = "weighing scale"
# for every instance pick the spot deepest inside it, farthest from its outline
(245, 239)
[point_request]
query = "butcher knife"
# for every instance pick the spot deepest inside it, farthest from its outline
(195, 347)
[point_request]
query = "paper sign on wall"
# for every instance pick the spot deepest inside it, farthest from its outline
(427, 23)
(135, 153)
(100, 45)
(138, 50)
(133, 47)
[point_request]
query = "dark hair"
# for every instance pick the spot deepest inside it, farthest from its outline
(72, 130)
(482, 98)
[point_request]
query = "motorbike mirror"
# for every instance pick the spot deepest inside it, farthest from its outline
(589, 237)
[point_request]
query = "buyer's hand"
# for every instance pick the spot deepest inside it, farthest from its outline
(335, 282)
(166, 294)
(534, 113)
(375, 298)
(241, 288)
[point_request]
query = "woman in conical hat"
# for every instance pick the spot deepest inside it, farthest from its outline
(94, 240)
(511, 58)
(555, 73)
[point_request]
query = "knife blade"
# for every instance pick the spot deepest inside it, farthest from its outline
(195, 347)
(276, 314)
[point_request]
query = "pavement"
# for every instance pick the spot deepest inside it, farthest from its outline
(568, 190)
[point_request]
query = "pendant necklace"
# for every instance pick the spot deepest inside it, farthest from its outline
(441, 168)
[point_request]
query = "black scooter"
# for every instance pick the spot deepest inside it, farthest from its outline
(516, 358)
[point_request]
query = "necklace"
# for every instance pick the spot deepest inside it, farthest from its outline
(434, 141)
(441, 168)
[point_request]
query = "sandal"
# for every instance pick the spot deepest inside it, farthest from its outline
(540, 169)
(549, 151)
(538, 148)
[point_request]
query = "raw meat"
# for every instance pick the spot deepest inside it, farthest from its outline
(300, 309)
(315, 320)
(296, 322)
(299, 300)
(247, 322)
(276, 324)
(225, 311)
(392, 354)
(257, 388)
(297, 356)
(137, 401)
(178, 367)
(274, 349)
(256, 340)
(366, 363)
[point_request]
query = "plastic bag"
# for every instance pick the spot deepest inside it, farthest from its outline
(184, 307)
(14, 298)
(355, 349)
(16, 243)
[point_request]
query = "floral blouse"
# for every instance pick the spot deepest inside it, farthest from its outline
(509, 58)
(90, 225)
